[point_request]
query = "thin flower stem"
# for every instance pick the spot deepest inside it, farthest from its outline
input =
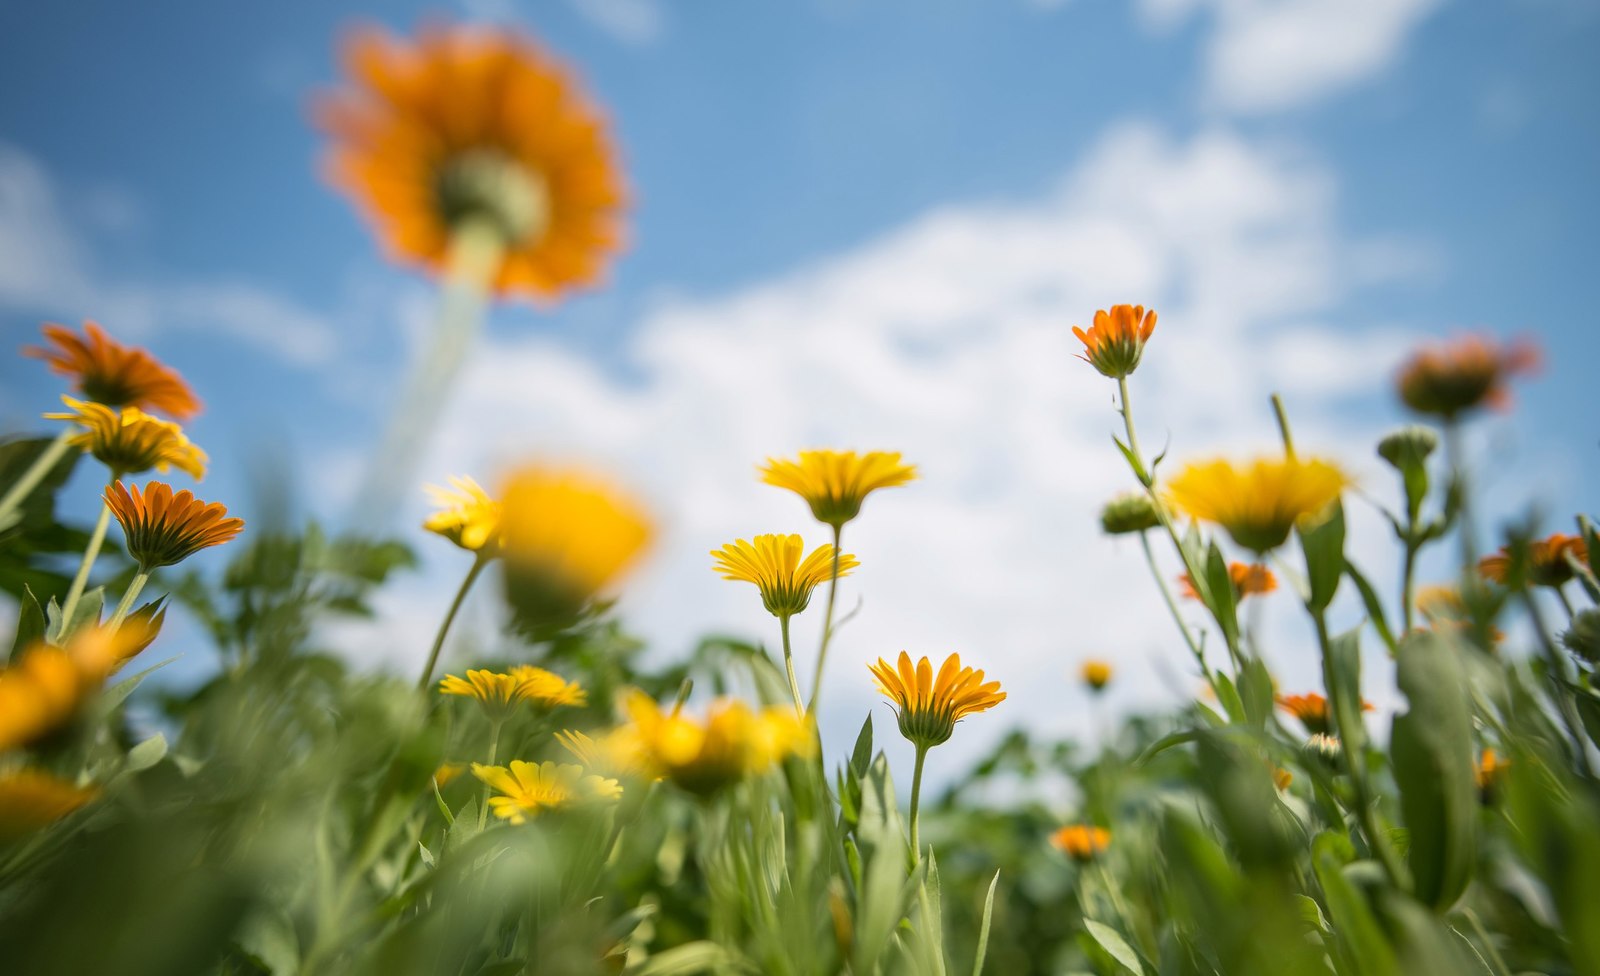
(90, 553)
(1565, 602)
(1458, 481)
(449, 618)
(827, 621)
(1495, 960)
(41, 466)
(788, 665)
(1559, 683)
(1172, 607)
(1283, 426)
(494, 753)
(916, 803)
(1408, 583)
(132, 594)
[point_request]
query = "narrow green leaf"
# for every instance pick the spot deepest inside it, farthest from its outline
(1323, 545)
(1374, 605)
(30, 623)
(983, 926)
(1219, 595)
(1115, 945)
(146, 754)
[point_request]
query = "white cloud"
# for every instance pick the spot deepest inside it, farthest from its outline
(1270, 55)
(629, 21)
(949, 339)
(47, 267)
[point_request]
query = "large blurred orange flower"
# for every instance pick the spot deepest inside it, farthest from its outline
(108, 372)
(1448, 379)
(1547, 561)
(475, 124)
(1248, 579)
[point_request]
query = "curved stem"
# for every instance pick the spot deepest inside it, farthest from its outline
(788, 665)
(41, 466)
(1283, 426)
(827, 621)
(449, 618)
(916, 803)
(1172, 606)
(90, 553)
(132, 594)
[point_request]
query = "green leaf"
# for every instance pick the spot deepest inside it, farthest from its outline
(146, 754)
(30, 623)
(983, 927)
(1323, 545)
(1431, 748)
(58, 631)
(1219, 595)
(694, 957)
(1255, 691)
(119, 692)
(1344, 659)
(884, 856)
(1352, 917)
(1229, 697)
(1369, 597)
(1115, 945)
(1164, 743)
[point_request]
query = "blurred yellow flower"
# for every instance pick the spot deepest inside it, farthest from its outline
(1081, 842)
(130, 441)
(616, 753)
(32, 798)
(497, 692)
(1096, 674)
(565, 536)
(468, 516)
(548, 688)
(1115, 342)
(1488, 773)
(773, 564)
(1547, 561)
(929, 707)
(163, 529)
(834, 483)
(1448, 379)
(447, 773)
(108, 372)
(1260, 502)
(1248, 579)
(476, 123)
(1281, 778)
(39, 692)
(527, 789)
(732, 742)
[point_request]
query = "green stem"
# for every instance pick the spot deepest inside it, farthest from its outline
(1458, 481)
(1283, 426)
(41, 466)
(132, 594)
(827, 620)
(91, 552)
(1498, 963)
(1565, 602)
(1559, 682)
(916, 803)
(1408, 573)
(788, 665)
(449, 617)
(1172, 606)
(494, 752)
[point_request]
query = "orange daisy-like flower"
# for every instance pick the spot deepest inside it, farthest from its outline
(1081, 842)
(1312, 711)
(163, 529)
(1488, 773)
(32, 798)
(929, 707)
(1248, 579)
(108, 372)
(1096, 674)
(1547, 561)
(1115, 342)
(835, 483)
(130, 441)
(1449, 379)
(475, 124)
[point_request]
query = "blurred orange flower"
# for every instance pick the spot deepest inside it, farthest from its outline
(108, 372)
(1547, 561)
(163, 529)
(1248, 579)
(1447, 379)
(1312, 710)
(1081, 842)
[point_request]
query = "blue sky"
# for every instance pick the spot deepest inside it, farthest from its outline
(901, 207)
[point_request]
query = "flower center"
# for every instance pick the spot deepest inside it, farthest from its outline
(484, 184)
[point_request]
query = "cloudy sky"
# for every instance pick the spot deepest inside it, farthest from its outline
(863, 225)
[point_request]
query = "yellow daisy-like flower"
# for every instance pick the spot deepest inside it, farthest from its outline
(835, 483)
(616, 753)
(565, 536)
(732, 742)
(773, 564)
(548, 688)
(164, 529)
(44, 686)
(130, 441)
(929, 707)
(1081, 842)
(526, 789)
(1115, 342)
(497, 692)
(32, 798)
(476, 124)
(469, 517)
(1096, 674)
(1547, 561)
(1260, 502)
(108, 372)
(1451, 378)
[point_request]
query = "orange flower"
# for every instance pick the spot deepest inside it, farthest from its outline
(1312, 711)
(1281, 778)
(1547, 561)
(1448, 379)
(1096, 674)
(108, 372)
(1491, 769)
(1247, 578)
(475, 124)
(32, 798)
(1115, 342)
(1081, 842)
(163, 529)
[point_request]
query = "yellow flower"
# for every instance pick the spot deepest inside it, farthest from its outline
(929, 707)
(616, 753)
(1081, 842)
(548, 688)
(1451, 378)
(44, 686)
(1281, 778)
(1259, 503)
(497, 692)
(1488, 773)
(108, 372)
(834, 483)
(163, 529)
(773, 564)
(1096, 674)
(1115, 342)
(1546, 561)
(469, 517)
(565, 536)
(131, 441)
(732, 742)
(447, 773)
(526, 789)
(32, 798)
(476, 124)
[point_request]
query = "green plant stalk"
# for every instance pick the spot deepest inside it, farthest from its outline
(91, 552)
(827, 621)
(1172, 607)
(1458, 482)
(478, 563)
(23, 486)
(1559, 682)
(1282, 417)
(139, 580)
(916, 804)
(1408, 582)
(494, 752)
(1566, 602)
(788, 665)
(1497, 963)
